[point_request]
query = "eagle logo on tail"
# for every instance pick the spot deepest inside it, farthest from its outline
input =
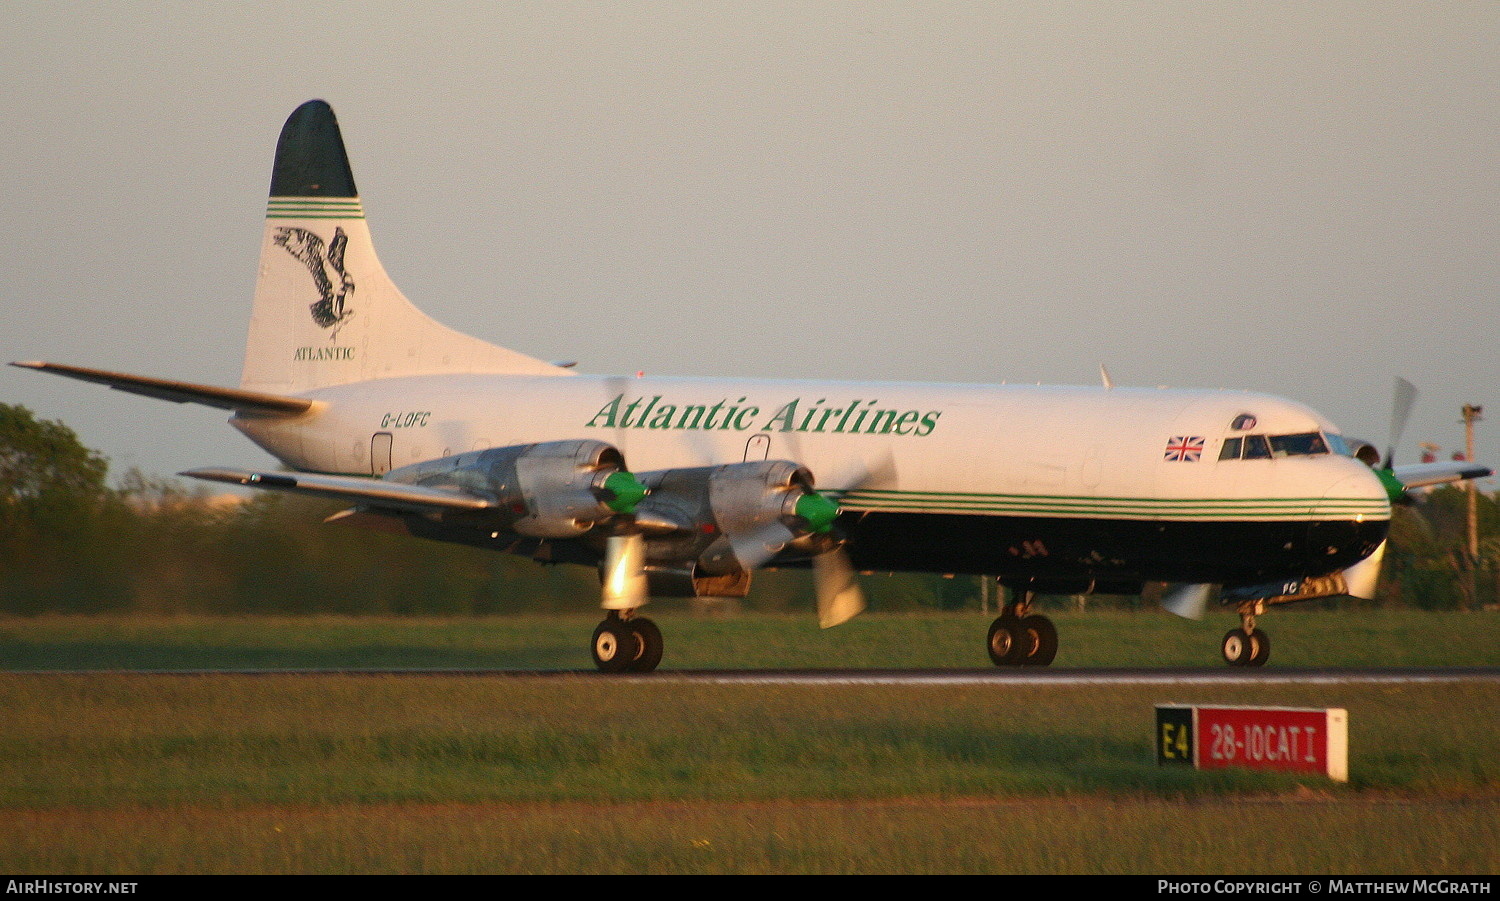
(326, 264)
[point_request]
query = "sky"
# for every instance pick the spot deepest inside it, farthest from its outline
(1301, 199)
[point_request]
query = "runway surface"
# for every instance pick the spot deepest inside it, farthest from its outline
(995, 677)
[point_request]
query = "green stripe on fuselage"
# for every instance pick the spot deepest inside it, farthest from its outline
(1115, 507)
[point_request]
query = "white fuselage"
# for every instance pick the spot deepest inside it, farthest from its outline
(1072, 452)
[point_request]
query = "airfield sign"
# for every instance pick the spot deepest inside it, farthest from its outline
(1308, 740)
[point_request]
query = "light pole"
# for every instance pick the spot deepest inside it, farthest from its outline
(1471, 593)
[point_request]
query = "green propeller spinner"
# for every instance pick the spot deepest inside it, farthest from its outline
(626, 490)
(817, 511)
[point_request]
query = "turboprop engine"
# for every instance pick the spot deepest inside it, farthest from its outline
(556, 489)
(734, 518)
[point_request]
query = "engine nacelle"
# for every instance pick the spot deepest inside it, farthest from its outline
(556, 489)
(715, 515)
(1364, 451)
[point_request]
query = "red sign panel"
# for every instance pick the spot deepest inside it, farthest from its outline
(1267, 738)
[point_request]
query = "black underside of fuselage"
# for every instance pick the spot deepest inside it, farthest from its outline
(1061, 554)
(1105, 550)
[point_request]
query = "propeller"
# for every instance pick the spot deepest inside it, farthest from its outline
(1405, 396)
(840, 598)
(813, 512)
(1405, 399)
(1187, 600)
(1400, 481)
(1363, 578)
(616, 387)
(623, 492)
(624, 573)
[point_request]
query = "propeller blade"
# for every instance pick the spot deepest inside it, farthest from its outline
(616, 387)
(840, 598)
(624, 572)
(1188, 600)
(752, 549)
(1363, 578)
(1405, 398)
(879, 474)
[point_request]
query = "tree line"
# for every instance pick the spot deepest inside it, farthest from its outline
(70, 542)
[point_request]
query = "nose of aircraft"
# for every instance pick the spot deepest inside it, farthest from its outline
(1356, 490)
(1352, 518)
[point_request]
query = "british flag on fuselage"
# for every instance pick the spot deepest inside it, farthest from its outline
(1184, 449)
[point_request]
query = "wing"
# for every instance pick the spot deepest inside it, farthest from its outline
(366, 492)
(710, 524)
(1421, 475)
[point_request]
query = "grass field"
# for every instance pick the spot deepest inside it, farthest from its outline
(112, 773)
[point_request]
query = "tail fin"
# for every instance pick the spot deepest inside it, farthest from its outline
(325, 311)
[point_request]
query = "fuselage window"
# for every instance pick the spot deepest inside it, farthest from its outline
(1231, 449)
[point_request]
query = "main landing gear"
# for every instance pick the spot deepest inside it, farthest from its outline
(1019, 637)
(625, 643)
(1247, 645)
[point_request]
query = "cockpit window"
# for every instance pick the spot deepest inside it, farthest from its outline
(1300, 445)
(1264, 447)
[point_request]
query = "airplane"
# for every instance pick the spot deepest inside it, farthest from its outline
(1248, 498)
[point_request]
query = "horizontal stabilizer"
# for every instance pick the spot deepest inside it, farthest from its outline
(183, 392)
(1421, 475)
(367, 492)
